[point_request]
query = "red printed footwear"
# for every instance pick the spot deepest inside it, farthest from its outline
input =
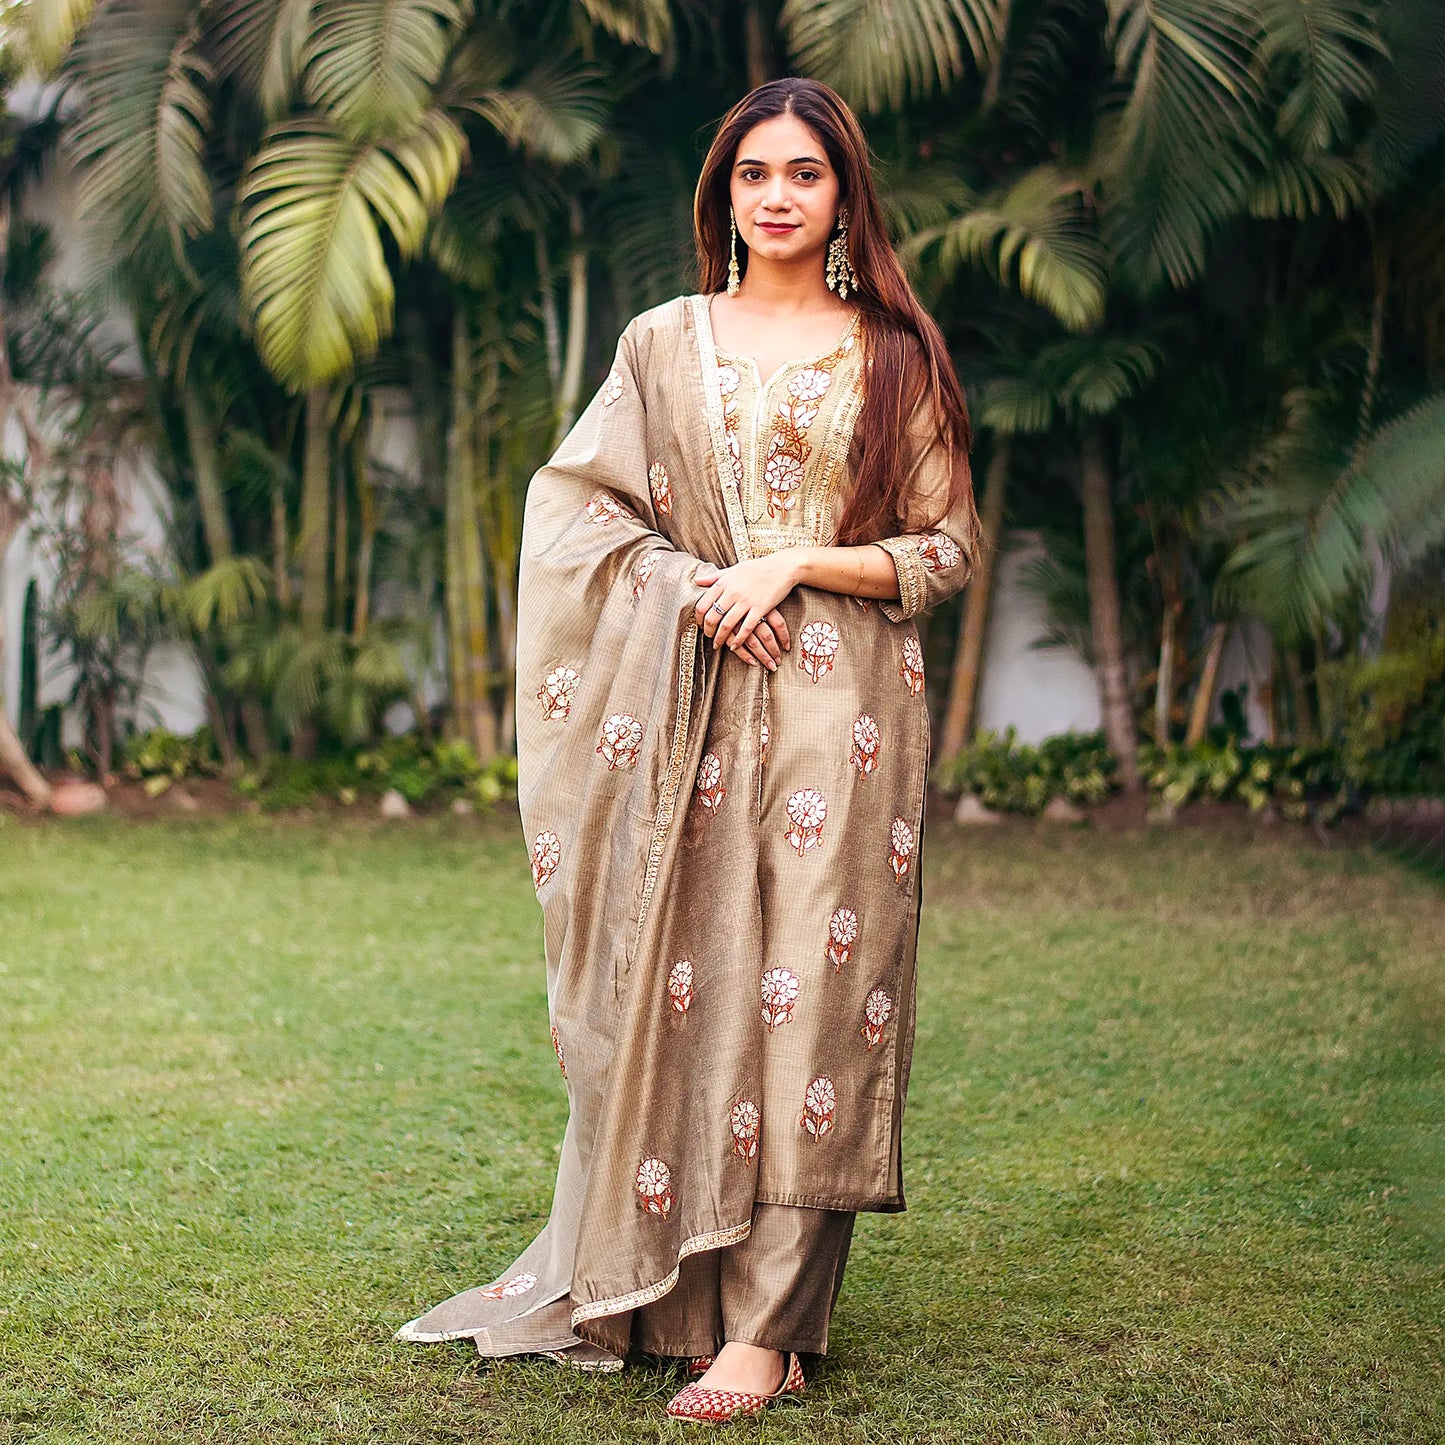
(699, 1364)
(693, 1402)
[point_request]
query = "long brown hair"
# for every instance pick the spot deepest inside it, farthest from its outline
(905, 347)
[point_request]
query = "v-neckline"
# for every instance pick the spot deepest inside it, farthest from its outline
(813, 360)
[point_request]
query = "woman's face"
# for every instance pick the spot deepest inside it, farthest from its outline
(784, 191)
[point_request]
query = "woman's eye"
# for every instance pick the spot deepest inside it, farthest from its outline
(752, 175)
(807, 175)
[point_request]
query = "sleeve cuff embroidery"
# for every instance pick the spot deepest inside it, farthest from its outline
(912, 586)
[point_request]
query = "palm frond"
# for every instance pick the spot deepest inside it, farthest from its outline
(1409, 100)
(1299, 186)
(877, 56)
(263, 44)
(140, 137)
(1321, 48)
(1306, 510)
(1179, 157)
(224, 594)
(634, 22)
(1092, 375)
(1017, 406)
(555, 111)
(314, 277)
(1035, 234)
(371, 65)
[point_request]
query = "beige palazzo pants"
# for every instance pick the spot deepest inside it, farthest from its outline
(776, 1288)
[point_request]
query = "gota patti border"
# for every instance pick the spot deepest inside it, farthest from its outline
(712, 399)
(672, 779)
(718, 1239)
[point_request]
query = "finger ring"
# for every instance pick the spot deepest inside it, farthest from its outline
(716, 607)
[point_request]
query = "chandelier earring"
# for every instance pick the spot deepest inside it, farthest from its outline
(840, 275)
(734, 279)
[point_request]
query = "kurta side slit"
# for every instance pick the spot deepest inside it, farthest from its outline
(726, 859)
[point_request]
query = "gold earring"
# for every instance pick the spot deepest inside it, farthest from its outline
(840, 276)
(734, 280)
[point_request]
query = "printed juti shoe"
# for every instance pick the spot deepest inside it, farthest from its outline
(699, 1364)
(694, 1402)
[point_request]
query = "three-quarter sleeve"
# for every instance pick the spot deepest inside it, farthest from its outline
(934, 556)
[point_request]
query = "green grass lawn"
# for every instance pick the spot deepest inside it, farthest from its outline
(270, 1087)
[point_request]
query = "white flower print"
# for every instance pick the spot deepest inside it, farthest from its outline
(900, 848)
(546, 855)
(864, 756)
(603, 508)
(679, 985)
(810, 384)
(780, 994)
(558, 690)
(746, 1122)
(661, 488)
(621, 741)
(912, 669)
(817, 647)
(710, 791)
(654, 1187)
(807, 809)
(842, 935)
(642, 572)
(784, 475)
(877, 1010)
(938, 550)
(510, 1288)
(820, 1104)
(612, 387)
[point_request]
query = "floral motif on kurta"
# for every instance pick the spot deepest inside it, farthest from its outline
(510, 1288)
(654, 1187)
(900, 848)
(661, 488)
(866, 737)
(621, 738)
(641, 573)
(911, 668)
(842, 935)
(877, 1010)
(780, 994)
(546, 855)
(710, 789)
(745, 1122)
(603, 508)
(820, 1105)
(679, 985)
(807, 811)
(817, 647)
(557, 1049)
(558, 689)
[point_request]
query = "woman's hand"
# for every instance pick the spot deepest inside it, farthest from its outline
(739, 606)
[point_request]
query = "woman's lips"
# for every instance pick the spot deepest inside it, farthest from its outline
(776, 228)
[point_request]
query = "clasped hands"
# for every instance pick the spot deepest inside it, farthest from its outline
(739, 607)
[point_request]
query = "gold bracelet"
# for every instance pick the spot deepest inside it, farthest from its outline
(858, 585)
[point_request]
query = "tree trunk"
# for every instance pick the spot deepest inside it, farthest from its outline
(315, 535)
(315, 505)
(571, 390)
(757, 35)
(210, 490)
(280, 545)
(340, 551)
(1106, 612)
(1208, 679)
(366, 524)
(1304, 727)
(481, 723)
(973, 629)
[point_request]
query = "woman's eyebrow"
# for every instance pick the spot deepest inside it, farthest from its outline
(796, 161)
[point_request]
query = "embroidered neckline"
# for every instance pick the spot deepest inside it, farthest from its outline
(820, 359)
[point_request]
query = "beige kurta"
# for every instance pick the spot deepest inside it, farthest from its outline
(727, 859)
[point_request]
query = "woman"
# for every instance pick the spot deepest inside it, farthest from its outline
(725, 843)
